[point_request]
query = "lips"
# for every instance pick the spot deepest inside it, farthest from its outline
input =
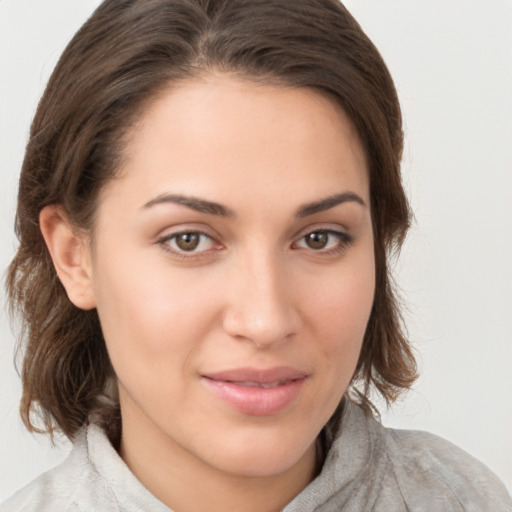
(257, 392)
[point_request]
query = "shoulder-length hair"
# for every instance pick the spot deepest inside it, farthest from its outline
(122, 57)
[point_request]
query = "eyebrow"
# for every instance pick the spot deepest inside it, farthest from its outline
(194, 203)
(328, 203)
(212, 208)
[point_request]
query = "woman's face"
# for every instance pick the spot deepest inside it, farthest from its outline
(233, 273)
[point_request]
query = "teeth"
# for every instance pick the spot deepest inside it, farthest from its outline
(265, 385)
(271, 385)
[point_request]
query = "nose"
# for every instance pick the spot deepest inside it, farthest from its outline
(262, 302)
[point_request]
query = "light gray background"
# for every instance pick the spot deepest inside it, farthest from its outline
(452, 63)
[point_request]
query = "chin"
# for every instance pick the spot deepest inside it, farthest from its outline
(265, 455)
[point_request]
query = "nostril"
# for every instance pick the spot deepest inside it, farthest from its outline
(263, 330)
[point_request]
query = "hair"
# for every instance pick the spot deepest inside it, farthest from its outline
(123, 57)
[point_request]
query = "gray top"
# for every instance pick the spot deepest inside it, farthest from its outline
(368, 468)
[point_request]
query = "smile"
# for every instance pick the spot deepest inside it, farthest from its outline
(261, 384)
(257, 392)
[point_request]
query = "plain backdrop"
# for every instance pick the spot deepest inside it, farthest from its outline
(451, 60)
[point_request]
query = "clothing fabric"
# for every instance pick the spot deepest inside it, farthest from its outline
(368, 468)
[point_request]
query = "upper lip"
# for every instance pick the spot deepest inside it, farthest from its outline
(257, 375)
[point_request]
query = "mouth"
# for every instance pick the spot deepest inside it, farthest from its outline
(264, 385)
(257, 392)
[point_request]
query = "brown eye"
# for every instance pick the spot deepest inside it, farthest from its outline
(324, 241)
(192, 242)
(188, 241)
(317, 240)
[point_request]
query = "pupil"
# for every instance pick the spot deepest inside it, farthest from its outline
(187, 241)
(317, 240)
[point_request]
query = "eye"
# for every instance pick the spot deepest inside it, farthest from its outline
(324, 240)
(187, 242)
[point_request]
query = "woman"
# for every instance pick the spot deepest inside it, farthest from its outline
(207, 202)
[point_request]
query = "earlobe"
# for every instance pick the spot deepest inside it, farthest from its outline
(70, 253)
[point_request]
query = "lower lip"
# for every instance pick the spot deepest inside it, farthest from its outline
(256, 401)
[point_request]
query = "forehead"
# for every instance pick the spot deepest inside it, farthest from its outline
(228, 133)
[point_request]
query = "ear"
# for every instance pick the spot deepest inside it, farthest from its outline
(71, 256)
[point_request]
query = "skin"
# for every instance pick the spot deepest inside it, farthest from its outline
(258, 291)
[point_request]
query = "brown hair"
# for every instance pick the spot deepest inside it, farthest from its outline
(120, 59)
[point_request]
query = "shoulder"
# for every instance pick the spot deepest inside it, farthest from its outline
(427, 465)
(72, 486)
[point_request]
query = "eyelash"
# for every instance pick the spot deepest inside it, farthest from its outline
(165, 243)
(344, 240)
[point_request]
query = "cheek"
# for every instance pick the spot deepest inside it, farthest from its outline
(343, 301)
(339, 311)
(151, 318)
